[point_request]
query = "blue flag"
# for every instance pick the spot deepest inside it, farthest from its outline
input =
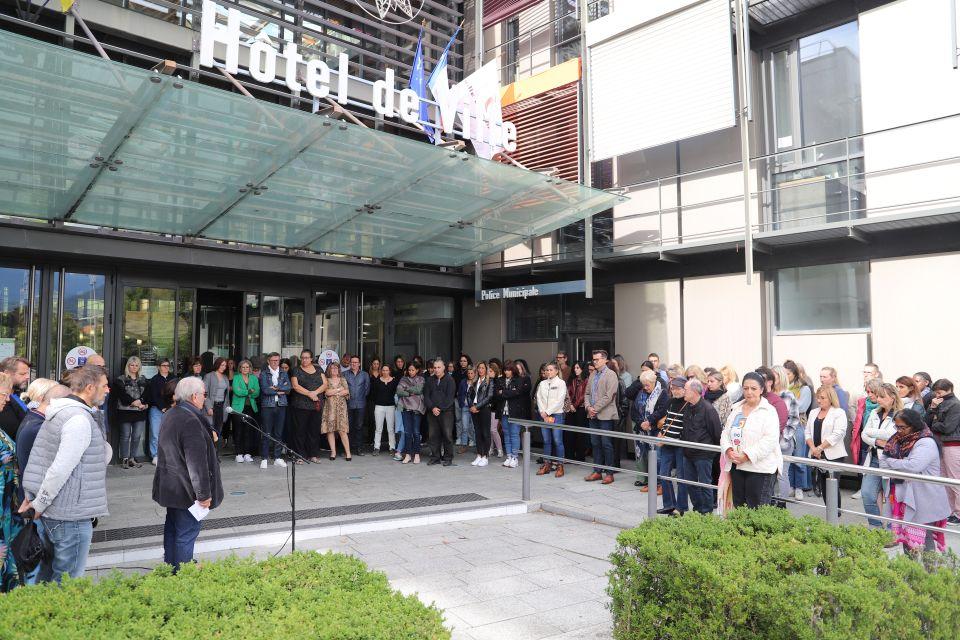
(418, 84)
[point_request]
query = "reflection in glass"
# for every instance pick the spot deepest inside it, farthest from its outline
(829, 296)
(253, 326)
(14, 310)
(830, 84)
(82, 316)
(293, 310)
(272, 335)
(328, 322)
(819, 195)
(423, 325)
(184, 330)
(149, 315)
(371, 329)
(782, 99)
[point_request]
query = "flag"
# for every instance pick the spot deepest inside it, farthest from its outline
(439, 83)
(419, 86)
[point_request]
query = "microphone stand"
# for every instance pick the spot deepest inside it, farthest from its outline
(293, 472)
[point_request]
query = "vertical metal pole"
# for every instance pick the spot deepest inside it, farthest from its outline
(849, 180)
(832, 499)
(652, 482)
(747, 77)
(478, 33)
(31, 306)
(525, 465)
(586, 175)
(59, 354)
(293, 505)
(742, 69)
(477, 282)
(954, 50)
(86, 30)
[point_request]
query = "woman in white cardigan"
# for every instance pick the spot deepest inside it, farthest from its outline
(751, 446)
(826, 427)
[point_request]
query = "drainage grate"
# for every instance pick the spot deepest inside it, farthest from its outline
(146, 531)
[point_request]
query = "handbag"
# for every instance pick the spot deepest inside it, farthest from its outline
(28, 549)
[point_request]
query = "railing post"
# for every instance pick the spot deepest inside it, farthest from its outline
(525, 465)
(832, 499)
(652, 482)
(849, 181)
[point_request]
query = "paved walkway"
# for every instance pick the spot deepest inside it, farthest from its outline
(524, 577)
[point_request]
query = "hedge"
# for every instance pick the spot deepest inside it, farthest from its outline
(302, 595)
(765, 574)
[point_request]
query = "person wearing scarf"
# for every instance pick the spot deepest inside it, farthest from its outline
(913, 449)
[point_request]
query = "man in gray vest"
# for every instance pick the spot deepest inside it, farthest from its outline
(65, 479)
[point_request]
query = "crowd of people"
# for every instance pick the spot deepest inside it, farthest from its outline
(55, 435)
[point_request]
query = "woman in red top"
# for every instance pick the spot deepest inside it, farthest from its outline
(575, 444)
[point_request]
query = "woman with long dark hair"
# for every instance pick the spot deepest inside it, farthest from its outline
(574, 443)
(479, 396)
(218, 393)
(494, 373)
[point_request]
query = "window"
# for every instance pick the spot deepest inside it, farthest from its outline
(16, 322)
(328, 321)
(533, 319)
(814, 87)
(823, 297)
(423, 325)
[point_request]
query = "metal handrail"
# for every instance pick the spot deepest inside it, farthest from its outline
(831, 498)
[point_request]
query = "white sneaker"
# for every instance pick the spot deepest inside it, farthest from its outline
(154, 461)
(798, 494)
(483, 462)
(476, 461)
(499, 453)
(239, 459)
(506, 462)
(263, 464)
(856, 496)
(514, 462)
(279, 462)
(248, 458)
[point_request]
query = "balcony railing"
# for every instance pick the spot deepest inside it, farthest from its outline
(543, 46)
(906, 171)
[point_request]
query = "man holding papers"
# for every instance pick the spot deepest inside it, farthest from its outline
(187, 481)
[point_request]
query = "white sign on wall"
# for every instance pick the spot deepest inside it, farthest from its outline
(78, 356)
(319, 83)
(326, 357)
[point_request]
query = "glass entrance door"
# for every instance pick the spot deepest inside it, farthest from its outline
(585, 344)
(157, 324)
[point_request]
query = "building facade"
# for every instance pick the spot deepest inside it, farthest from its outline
(854, 201)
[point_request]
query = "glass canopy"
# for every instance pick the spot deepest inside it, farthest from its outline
(89, 141)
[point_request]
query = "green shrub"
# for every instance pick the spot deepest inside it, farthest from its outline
(766, 575)
(303, 595)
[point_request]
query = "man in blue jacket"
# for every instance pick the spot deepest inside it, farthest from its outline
(358, 383)
(274, 393)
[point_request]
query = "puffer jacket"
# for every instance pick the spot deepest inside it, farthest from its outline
(410, 393)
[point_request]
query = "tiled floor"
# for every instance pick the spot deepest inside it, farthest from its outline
(523, 577)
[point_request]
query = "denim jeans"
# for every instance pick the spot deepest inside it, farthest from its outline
(871, 488)
(553, 438)
(131, 438)
(671, 459)
(799, 474)
(272, 420)
(466, 436)
(700, 470)
(70, 541)
(511, 436)
(411, 432)
(602, 445)
(180, 532)
(156, 416)
(398, 425)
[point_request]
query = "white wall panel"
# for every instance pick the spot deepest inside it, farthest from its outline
(915, 332)
(663, 81)
(722, 322)
(647, 318)
(906, 77)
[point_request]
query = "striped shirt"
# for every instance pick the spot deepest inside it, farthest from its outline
(673, 425)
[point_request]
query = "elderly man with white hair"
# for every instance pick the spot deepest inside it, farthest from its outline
(188, 471)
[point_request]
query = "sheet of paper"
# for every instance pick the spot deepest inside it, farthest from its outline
(198, 511)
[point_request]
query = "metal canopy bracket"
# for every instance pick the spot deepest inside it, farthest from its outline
(858, 235)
